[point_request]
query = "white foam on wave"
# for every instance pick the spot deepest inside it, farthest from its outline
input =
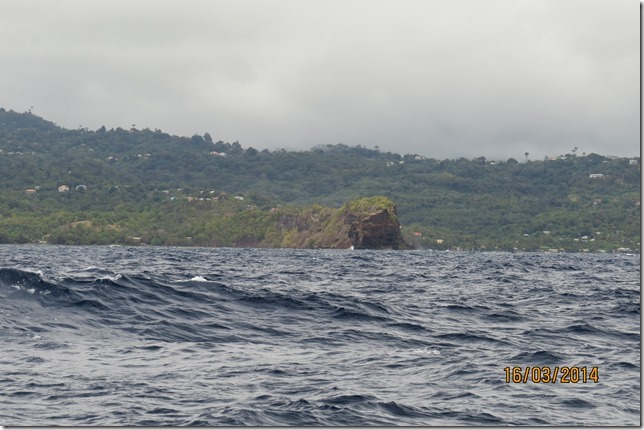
(28, 290)
(197, 279)
(429, 351)
(22, 288)
(112, 278)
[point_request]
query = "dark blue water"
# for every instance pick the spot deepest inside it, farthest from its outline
(175, 336)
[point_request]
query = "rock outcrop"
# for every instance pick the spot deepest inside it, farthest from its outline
(378, 230)
(368, 223)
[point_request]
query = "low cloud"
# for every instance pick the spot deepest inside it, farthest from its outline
(439, 78)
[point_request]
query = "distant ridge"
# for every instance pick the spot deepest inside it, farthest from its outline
(165, 189)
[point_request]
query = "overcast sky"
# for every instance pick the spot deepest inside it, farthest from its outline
(440, 78)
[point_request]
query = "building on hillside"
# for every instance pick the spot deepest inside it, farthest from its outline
(63, 189)
(31, 191)
(596, 176)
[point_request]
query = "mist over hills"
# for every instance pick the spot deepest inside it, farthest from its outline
(175, 190)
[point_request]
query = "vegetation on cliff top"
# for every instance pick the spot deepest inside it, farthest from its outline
(132, 186)
(371, 204)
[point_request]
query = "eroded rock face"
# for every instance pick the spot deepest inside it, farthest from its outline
(379, 230)
(370, 223)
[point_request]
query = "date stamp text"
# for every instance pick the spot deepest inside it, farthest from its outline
(550, 374)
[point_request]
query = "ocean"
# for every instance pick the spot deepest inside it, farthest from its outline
(161, 336)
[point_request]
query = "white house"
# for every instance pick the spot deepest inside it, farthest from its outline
(596, 176)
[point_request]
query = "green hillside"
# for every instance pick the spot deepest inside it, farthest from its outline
(133, 186)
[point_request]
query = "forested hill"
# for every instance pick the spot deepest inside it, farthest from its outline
(165, 189)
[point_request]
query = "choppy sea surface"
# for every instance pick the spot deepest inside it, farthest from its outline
(158, 336)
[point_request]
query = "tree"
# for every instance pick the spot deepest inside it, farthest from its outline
(236, 148)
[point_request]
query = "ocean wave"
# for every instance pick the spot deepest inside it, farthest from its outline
(211, 337)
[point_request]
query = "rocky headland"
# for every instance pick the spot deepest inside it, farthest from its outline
(367, 223)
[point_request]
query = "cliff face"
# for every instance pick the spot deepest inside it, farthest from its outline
(378, 230)
(368, 223)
